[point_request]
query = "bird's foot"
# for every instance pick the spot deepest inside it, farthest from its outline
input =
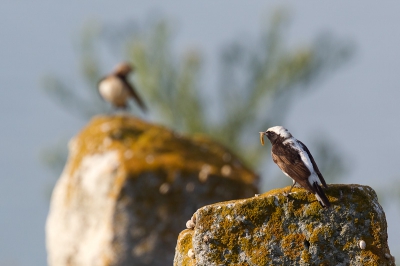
(286, 194)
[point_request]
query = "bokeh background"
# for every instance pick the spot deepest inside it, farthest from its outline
(344, 105)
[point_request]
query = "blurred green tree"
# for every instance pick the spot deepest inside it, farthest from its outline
(257, 82)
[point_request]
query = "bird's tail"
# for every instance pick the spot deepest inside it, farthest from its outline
(319, 193)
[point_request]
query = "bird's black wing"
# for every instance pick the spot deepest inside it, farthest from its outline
(134, 94)
(289, 161)
(321, 178)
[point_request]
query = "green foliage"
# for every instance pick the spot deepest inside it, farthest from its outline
(171, 87)
(257, 81)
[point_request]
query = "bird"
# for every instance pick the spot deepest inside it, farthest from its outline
(116, 89)
(296, 162)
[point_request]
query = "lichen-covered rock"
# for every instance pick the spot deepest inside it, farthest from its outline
(130, 186)
(274, 230)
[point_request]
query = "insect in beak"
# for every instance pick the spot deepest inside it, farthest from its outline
(262, 138)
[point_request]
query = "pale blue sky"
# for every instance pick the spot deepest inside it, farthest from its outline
(357, 106)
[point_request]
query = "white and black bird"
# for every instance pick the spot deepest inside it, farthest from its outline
(116, 89)
(296, 161)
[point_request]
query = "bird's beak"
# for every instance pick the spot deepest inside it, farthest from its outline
(262, 137)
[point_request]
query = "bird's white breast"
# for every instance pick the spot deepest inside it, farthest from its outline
(113, 89)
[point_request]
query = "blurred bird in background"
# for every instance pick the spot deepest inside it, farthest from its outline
(116, 89)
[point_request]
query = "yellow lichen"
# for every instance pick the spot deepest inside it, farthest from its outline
(293, 245)
(183, 246)
(305, 256)
(144, 147)
(268, 225)
(320, 232)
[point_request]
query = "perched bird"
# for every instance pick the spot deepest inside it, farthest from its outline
(296, 161)
(116, 89)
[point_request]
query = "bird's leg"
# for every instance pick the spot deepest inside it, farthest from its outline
(286, 194)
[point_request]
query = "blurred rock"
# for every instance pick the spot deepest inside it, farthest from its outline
(128, 189)
(273, 230)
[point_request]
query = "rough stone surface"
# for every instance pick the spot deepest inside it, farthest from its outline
(129, 187)
(273, 230)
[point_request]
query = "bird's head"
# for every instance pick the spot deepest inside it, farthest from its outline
(274, 134)
(123, 69)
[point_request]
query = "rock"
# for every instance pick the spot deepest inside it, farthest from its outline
(129, 187)
(273, 230)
